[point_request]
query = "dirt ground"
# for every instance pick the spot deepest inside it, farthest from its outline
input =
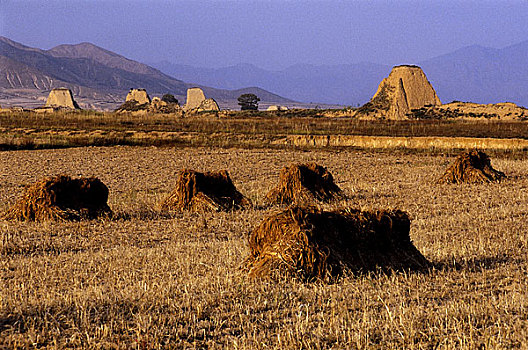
(148, 280)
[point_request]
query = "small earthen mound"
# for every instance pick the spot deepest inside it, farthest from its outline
(210, 191)
(132, 106)
(61, 198)
(208, 104)
(195, 97)
(471, 167)
(139, 95)
(277, 108)
(61, 98)
(310, 244)
(160, 106)
(136, 100)
(304, 184)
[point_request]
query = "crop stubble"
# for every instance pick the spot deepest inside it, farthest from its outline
(149, 280)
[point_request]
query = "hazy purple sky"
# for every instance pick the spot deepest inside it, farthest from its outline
(269, 34)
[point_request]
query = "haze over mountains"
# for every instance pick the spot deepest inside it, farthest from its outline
(474, 73)
(94, 73)
(101, 77)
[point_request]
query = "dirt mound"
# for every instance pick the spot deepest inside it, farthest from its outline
(208, 105)
(139, 95)
(210, 191)
(471, 167)
(61, 98)
(132, 106)
(310, 244)
(195, 97)
(406, 88)
(304, 184)
(277, 108)
(159, 106)
(471, 111)
(61, 198)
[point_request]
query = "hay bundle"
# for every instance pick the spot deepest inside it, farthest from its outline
(310, 244)
(304, 184)
(61, 198)
(471, 167)
(204, 192)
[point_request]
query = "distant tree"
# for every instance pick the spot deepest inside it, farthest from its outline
(169, 98)
(248, 102)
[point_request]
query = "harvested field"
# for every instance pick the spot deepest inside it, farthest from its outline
(150, 280)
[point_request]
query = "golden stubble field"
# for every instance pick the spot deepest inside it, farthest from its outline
(149, 281)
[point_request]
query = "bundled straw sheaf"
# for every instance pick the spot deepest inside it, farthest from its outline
(471, 167)
(61, 198)
(311, 244)
(210, 191)
(304, 184)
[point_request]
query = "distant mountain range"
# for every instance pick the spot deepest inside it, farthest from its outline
(482, 75)
(92, 72)
(474, 73)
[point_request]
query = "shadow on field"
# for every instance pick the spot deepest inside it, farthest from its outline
(146, 214)
(477, 264)
(35, 250)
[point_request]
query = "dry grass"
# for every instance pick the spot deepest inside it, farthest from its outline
(304, 122)
(243, 129)
(153, 281)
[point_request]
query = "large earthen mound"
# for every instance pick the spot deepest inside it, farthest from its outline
(471, 167)
(311, 244)
(406, 88)
(304, 184)
(61, 98)
(210, 191)
(61, 198)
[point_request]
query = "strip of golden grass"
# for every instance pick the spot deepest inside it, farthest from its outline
(313, 122)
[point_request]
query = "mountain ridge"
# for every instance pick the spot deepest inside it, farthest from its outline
(93, 72)
(473, 73)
